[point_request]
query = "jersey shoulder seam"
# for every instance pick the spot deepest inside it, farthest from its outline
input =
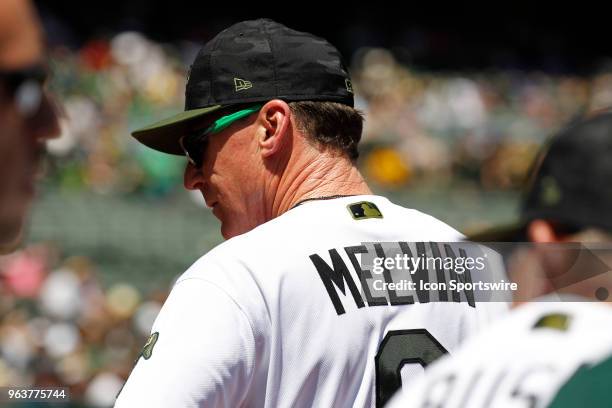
(226, 294)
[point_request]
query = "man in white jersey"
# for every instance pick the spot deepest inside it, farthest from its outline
(525, 358)
(283, 314)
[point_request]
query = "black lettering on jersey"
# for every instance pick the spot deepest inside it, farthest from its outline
(364, 275)
(420, 274)
(465, 277)
(398, 348)
(522, 391)
(441, 277)
(393, 296)
(336, 275)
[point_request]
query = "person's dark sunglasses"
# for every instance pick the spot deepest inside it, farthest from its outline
(194, 144)
(25, 86)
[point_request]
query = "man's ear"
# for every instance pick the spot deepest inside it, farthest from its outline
(554, 263)
(275, 122)
(541, 231)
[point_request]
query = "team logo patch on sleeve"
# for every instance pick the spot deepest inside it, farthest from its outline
(557, 321)
(147, 350)
(364, 210)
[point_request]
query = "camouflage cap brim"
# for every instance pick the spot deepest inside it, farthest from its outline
(164, 135)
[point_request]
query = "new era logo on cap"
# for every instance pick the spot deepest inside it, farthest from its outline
(349, 85)
(280, 63)
(242, 84)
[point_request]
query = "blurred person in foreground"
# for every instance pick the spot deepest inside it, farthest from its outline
(265, 319)
(27, 116)
(558, 326)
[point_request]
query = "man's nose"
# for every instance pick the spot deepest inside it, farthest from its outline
(193, 178)
(46, 125)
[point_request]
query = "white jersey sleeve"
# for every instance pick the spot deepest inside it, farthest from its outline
(202, 356)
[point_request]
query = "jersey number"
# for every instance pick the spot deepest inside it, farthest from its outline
(401, 347)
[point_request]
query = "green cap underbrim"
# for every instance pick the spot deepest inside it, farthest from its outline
(515, 232)
(164, 135)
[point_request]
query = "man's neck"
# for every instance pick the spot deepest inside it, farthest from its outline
(323, 176)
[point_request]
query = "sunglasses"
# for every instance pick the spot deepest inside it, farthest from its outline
(26, 87)
(194, 144)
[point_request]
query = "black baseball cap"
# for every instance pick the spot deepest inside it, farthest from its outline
(254, 61)
(571, 184)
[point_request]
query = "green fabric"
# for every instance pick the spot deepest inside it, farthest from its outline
(227, 120)
(588, 387)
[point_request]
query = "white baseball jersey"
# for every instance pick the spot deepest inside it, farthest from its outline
(282, 316)
(521, 361)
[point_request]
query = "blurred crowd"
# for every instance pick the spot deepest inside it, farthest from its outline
(60, 327)
(478, 127)
(107, 88)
